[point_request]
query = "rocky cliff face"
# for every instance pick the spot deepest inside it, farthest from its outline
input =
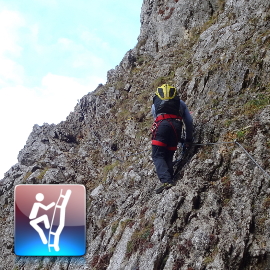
(217, 53)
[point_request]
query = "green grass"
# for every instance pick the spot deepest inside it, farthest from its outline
(140, 239)
(27, 175)
(115, 226)
(42, 173)
(107, 169)
(240, 135)
(255, 105)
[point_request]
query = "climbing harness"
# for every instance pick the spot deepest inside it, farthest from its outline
(158, 143)
(155, 127)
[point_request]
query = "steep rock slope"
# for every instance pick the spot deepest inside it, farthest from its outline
(217, 216)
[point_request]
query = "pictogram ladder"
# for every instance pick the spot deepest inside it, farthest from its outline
(61, 205)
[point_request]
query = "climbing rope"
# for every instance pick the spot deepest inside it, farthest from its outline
(246, 152)
(198, 144)
(182, 155)
(204, 144)
(252, 159)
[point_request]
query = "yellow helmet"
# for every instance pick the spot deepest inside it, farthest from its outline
(166, 91)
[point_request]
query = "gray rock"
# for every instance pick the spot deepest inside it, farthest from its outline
(217, 215)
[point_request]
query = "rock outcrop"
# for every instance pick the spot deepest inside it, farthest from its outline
(217, 54)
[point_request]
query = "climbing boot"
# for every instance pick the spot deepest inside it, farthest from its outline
(164, 186)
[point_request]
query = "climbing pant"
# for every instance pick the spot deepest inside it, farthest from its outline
(164, 143)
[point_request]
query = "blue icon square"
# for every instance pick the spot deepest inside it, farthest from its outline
(50, 220)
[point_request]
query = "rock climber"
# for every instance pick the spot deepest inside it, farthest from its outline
(169, 112)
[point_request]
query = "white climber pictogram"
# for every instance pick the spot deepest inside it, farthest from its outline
(60, 210)
(49, 220)
(44, 218)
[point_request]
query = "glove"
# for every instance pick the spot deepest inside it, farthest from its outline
(187, 145)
